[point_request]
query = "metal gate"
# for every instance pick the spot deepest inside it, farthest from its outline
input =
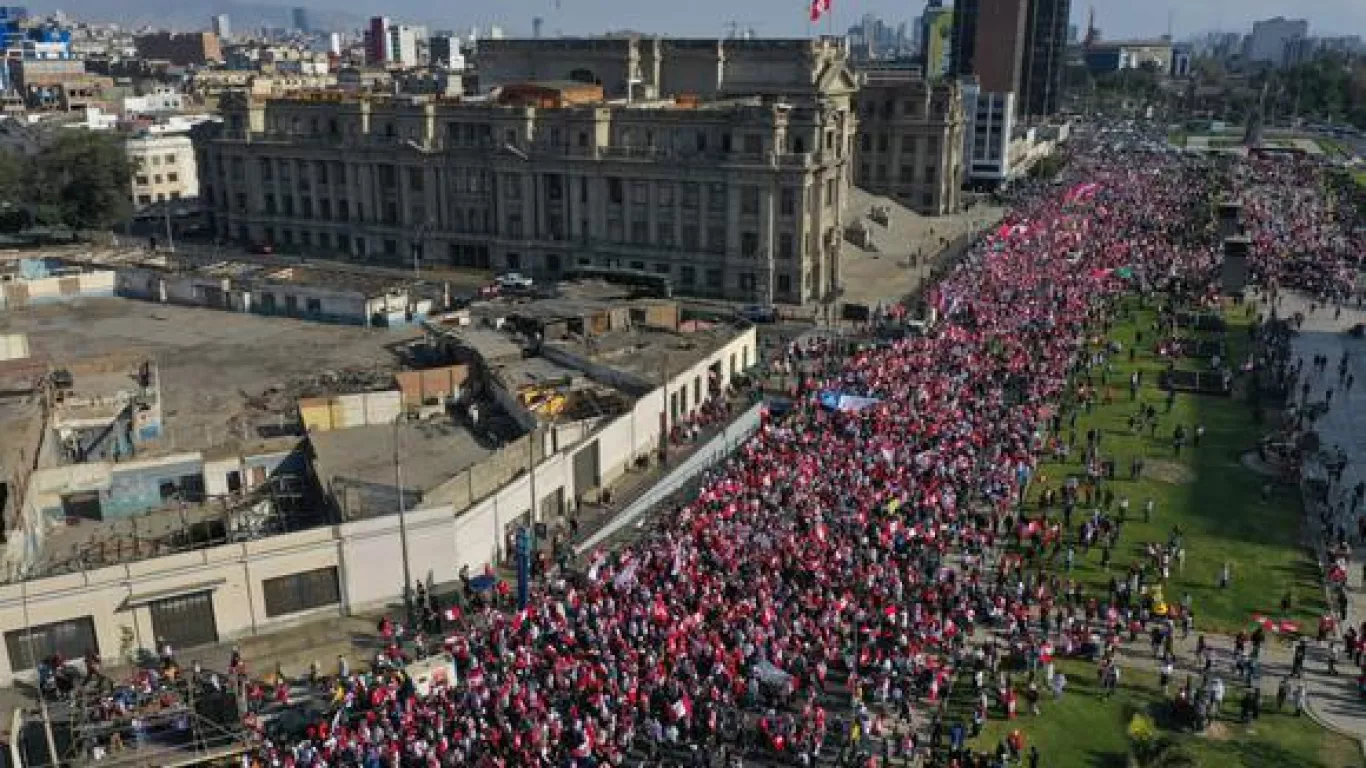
(184, 621)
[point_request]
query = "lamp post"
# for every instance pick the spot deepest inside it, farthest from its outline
(403, 528)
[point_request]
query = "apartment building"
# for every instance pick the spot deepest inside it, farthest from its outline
(164, 168)
(181, 49)
(730, 194)
(911, 140)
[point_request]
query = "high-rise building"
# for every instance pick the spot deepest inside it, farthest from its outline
(377, 40)
(999, 57)
(443, 48)
(300, 18)
(403, 45)
(1267, 43)
(963, 39)
(222, 26)
(1045, 49)
(13, 30)
(936, 31)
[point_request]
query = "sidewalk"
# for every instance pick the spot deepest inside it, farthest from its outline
(1336, 702)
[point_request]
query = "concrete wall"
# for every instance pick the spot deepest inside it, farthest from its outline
(125, 489)
(26, 292)
(443, 536)
(322, 414)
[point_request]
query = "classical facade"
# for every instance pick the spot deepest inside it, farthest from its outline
(911, 140)
(733, 193)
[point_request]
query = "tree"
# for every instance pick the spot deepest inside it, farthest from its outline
(11, 178)
(81, 181)
(1149, 748)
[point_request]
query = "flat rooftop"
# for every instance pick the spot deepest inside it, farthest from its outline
(650, 354)
(361, 459)
(227, 378)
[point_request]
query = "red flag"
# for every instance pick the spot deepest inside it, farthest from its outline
(825, 6)
(817, 8)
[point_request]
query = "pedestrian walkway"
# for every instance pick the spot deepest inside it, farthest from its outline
(1335, 700)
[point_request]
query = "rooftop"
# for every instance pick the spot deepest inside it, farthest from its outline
(226, 378)
(357, 466)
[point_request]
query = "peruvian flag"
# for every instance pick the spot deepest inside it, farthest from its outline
(819, 8)
(451, 614)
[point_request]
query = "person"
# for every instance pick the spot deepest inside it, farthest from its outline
(1282, 692)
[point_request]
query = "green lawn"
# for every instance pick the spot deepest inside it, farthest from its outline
(1207, 492)
(1083, 730)
(1360, 177)
(1217, 503)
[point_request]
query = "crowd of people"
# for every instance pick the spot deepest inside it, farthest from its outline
(1297, 241)
(820, 596)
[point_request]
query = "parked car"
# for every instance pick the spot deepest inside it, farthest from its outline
(263, 248)
(514, 280)
(758, 313)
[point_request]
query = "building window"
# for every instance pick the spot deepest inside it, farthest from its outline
(301, 591)
(666, 194)
(882, 142)
(172, 178)
(614, 191)
(690, 195)
(716, 198)
(713, 278)
(690, 237)
(907, 174)
(749, 244)
(716, 239)
(687, 275)
(785, 245)
(156, 179)
(142, 181)
(788, 202)
(640, 192)
(72, 639)
(785, 284)
(866, 143)
(640, 232)
(749, 201)
(666, 234)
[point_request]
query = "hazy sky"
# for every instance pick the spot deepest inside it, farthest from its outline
(775, 18)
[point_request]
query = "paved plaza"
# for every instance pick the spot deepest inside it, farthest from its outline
(1335, 699)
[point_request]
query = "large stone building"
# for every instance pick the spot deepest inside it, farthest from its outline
(911, 140)
(726, 172)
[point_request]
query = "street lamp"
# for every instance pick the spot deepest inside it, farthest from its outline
(403, 528)
(419, 245)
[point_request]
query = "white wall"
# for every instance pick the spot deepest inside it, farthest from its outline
(367, 553)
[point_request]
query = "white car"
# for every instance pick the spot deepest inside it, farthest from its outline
(514, 280)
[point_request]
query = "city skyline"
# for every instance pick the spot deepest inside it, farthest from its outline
(788, 18)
